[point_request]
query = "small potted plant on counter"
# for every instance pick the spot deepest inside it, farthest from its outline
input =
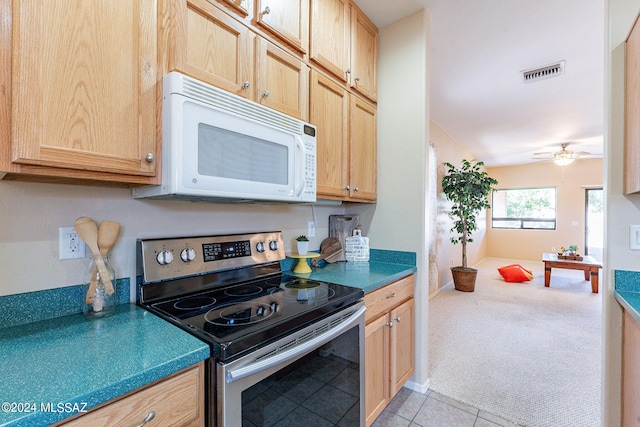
(467, 188)
(303, 244)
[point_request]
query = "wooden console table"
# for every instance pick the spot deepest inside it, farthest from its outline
(589, 265)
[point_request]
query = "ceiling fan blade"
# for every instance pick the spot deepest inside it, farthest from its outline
(542, 153)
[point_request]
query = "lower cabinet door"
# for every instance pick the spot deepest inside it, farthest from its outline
(402, 346)
(377, 367)
(177, 401)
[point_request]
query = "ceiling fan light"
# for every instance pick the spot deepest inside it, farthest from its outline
(563, 161)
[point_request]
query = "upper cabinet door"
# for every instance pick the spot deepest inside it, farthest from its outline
(213, 47)
(330, 37)
(632, 112)
(364, 55)
(241, 7)
(363, 150)
(84, 85)
(283, 80)
(329, 111)
(286, 19)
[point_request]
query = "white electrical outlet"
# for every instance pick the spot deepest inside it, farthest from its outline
(311, 226)
(71, 245)
(634, 237)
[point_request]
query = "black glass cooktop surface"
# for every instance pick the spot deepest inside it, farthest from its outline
(237, 318)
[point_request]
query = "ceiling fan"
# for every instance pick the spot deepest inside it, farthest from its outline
(562, 157)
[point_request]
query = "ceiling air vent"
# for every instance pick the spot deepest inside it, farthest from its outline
(543, 72)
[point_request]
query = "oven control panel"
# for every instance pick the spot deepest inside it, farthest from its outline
(163, 259)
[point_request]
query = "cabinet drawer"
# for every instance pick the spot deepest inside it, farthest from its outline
(177, 401)
(384, 299)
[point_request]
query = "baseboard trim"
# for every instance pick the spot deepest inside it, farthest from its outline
(420, 388)
(444, 287)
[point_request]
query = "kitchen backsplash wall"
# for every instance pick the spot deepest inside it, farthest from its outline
(32, 212)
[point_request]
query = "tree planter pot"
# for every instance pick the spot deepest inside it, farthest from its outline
(464, 279)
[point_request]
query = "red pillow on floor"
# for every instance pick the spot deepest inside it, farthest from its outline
(515, 273)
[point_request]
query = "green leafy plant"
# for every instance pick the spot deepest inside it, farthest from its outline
(468, 188)
(302, 238)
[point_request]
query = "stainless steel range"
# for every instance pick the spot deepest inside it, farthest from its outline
(286, 350)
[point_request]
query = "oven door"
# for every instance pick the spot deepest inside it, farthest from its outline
(316, 373)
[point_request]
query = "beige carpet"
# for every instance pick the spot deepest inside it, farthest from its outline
(527, 353)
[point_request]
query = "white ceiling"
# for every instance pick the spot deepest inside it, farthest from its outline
(477, 51)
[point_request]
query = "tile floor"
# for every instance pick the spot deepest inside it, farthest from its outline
(412, 409)
(323, 391)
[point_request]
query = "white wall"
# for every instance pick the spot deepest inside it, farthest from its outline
(570, 182)
(621, 210)
(31, 214)
(399, 219)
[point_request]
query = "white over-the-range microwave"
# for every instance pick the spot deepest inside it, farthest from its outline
(222, 147)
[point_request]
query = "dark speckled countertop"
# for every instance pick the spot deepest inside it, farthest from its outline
(364, 275)
(384, 267)
(54, 368)
(627, 291)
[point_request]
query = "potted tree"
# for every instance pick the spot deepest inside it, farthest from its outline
(468, 188)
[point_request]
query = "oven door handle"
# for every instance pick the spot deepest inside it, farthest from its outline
(248, 370)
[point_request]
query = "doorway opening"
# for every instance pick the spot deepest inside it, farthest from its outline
(594, 223)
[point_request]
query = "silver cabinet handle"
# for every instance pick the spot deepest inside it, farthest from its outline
(149, 158)
(348, 71)
(390, 324)
(391, 295)
(266, 11)
(151, 415)
(397, 319)
(265, 94)
(357, 78)
(347, 188)
(245, 85)
(356, 189)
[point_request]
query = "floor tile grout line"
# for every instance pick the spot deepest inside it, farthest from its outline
(431, 394)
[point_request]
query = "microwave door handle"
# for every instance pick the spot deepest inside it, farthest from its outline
(299, 166)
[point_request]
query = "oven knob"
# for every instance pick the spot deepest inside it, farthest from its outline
(187, 255)
(273, 245)
(260, 311)
(260, 246)
(275, 307)
(164, 257)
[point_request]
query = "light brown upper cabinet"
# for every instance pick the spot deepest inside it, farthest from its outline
(241, 7)
(632, 112)
(283, 80)
(204, 42)
(364, 55)
(346, 141)
(330, 32)
(329, 111)
(344, 42)
(80, 99)
(362, 150)
(286, 19)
